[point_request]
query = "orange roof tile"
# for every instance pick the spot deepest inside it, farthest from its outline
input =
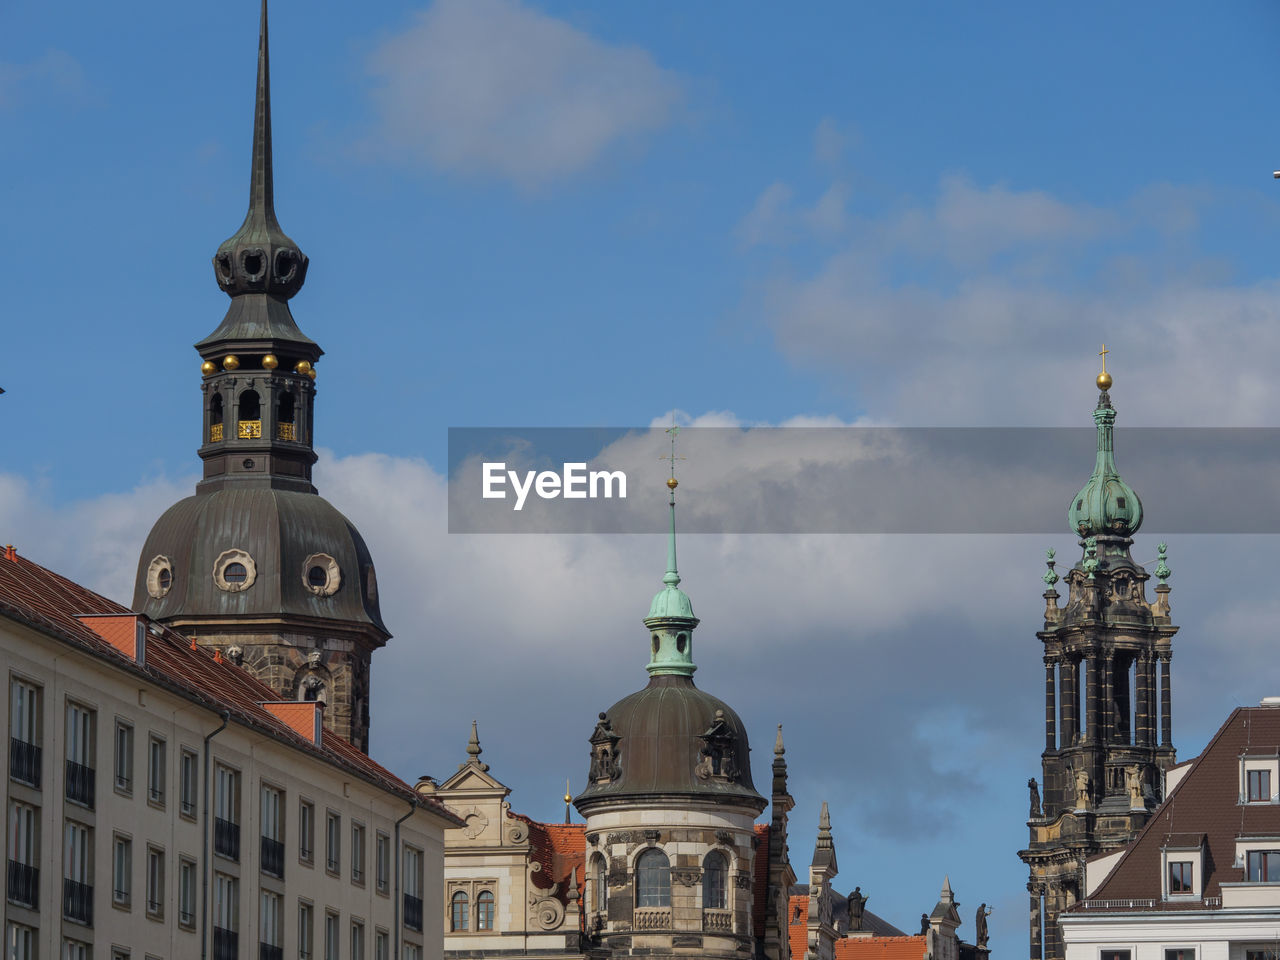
(797, 920)
(53, 605)
(881, 948)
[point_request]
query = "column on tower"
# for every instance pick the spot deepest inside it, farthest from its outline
(1166, 703)
(1106, 724)
(1142, 718)
(1037, 924)
(1093, 702)
(1050, 707)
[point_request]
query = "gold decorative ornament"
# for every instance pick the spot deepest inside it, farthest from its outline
(208, 367)
(302, 367)
(231, 362)
(1104, 378)
(672, 483)
(312, 373)
(269, 362)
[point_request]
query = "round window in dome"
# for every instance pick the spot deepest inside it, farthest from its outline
(234, 570)
(159, 577)
(321, 575)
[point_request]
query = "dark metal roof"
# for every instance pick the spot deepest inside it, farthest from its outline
(660, 731)
(279, 529)
(253, 318)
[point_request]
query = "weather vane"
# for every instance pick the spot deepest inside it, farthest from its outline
(672, 430)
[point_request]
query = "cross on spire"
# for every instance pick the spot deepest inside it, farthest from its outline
(1103, 354)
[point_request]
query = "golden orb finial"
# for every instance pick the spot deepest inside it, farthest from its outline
(672, 483)
(208, 367)
(303, 367)
(312, 373)
(231, 362)
(1104, 378)
(269, 362)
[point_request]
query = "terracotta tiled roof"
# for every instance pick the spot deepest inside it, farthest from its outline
(797, 920)
(760, 882)
(52, 605)
(1205, 802)
(557, 848)
(881, 948)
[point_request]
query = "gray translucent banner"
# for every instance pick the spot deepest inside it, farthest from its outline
(852, 479)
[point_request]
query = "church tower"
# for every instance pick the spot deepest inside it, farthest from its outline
(1108, 706)
(256, 564)
(670, 806)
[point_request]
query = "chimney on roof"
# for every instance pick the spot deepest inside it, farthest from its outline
(1269, 702)
(10, 553)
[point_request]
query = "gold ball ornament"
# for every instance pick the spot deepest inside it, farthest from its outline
(312, 373)
(231, 362)
(208, 367)
(1104, 381)
(302, 367)
(672, 483)
(269, 362)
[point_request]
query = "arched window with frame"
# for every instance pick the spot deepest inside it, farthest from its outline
(715, 871)
(653, 879)
(599, 884)
(484, 910)
(459, 918)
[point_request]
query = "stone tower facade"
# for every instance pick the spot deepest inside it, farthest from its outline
(256, 564)
(1108, 704)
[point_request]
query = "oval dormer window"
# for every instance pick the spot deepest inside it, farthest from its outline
(234, 570)
(321, 575)
(159, 577)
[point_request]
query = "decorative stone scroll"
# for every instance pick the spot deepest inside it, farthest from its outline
(546, 912)
(686, 876)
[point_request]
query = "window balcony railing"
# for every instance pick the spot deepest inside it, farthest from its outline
(717, 921)
(413, 912)
(80, 783)
(273, 857)
(226, 839)
(77, 902)
(269, 951)
(24, 762)
(249, 429)
(226, 944)
(286, 431)
(24, 885)
(215, 433)
(186, 916)
(653, 918)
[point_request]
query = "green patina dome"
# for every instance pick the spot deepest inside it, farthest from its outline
(671, 601)
(1106, 505)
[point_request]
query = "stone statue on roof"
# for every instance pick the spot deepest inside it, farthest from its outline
(857, 902)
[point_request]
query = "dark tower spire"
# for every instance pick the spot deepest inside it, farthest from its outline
(1107, 716)
(256, 562)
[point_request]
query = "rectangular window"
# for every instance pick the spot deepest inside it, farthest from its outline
(381, 945)
(77, 873)
(24, 855)
(1262, 955)
(80, 733)
(306, 831)
(412, 951)
(226, 812)
(270, 935)
(75, 950)
(124, 757)
(382, 861)
(119, 954)
(272, 832)
(1263, 866)
(155, 883)
(1180, 877)
(330, 936)
(121, 870)
(24, 732)
(157, 762)
(412, 888)
(333, 842)
(1259, 785)
(357, 852)
(19, 942)
(306, 930)
(1180, 953)
(186, 892)
(190, 784)
(226, 903)
(357, 940)
(1108, 954)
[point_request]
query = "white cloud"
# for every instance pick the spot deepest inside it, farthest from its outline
(497, 88)
(55, 71)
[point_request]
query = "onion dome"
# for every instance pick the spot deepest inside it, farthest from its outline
(670, 740)
(1106, 505)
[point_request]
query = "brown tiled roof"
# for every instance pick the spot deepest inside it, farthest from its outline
(1204, 803)
(52, 605)
(881, 948)
(558, 848)
(797, 924)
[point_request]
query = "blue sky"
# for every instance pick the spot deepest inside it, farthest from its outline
(581, 214)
